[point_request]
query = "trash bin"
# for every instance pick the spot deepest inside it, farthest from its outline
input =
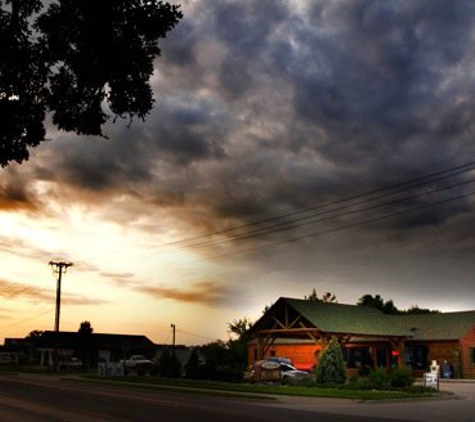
(447, 370)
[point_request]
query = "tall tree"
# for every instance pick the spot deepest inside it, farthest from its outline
(378, 302)
(85, 347)
(69, 57)
(35, 334)
(193, 368)
(169, 365)
(388, 307)
(240, 327)
(415, 310)
(328, 297)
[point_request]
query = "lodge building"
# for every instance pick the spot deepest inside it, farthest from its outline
(300, 330)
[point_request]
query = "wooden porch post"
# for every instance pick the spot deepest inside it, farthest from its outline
(400, 349)
(374, 357)
(260, 347)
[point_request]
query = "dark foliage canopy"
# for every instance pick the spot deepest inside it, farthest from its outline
(169, 365)
(75, 59)
(84, 347)
(388, 307)
(328, 297)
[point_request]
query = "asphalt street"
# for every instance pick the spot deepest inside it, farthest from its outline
(28, 398)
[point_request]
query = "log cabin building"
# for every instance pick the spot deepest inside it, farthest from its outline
(300, 330)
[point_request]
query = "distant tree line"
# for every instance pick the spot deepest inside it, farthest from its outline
(388, 307)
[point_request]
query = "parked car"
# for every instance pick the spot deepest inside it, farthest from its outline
(137, 360)
(280, 359)
(71, 363)
(138, 363)
(291, 373)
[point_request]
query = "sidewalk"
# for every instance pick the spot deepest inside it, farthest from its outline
(456, 380)
(457, 407)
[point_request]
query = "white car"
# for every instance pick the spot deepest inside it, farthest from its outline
(71, 363)
(290, 372)
(137, 360)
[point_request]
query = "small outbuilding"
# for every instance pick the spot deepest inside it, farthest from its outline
(102, 346)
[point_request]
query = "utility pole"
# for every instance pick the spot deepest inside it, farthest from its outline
(59, 267)
(174, 329)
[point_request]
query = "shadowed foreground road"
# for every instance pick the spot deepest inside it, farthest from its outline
(40, 398)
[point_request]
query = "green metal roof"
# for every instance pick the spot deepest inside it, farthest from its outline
(443, 326)
(336, 318)
(348, 319)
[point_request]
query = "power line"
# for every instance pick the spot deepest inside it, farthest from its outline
(195, 335)
(326, 216)
(346, 227)
(403, 186)
(10, 292)
(27, 319)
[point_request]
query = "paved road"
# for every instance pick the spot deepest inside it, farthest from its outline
(39, 398)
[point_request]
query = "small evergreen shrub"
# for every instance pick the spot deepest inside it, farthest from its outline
(193, 369)
(332, 367)
(378, 379)
(401, 377)
(353, 380)
(169, 365)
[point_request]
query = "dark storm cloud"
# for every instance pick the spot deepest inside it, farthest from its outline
(269, 107)
(180, 131)
(380, 85)
(180, 49)
(245, 28)
(15, 194)
(380, 82)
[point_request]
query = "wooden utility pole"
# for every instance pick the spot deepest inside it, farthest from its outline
(59, 267)
(174, 330)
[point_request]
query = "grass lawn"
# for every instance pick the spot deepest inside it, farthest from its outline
(244, 388)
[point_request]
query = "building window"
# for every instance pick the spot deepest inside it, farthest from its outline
(417, 357)
(360, 358)
(472, 355)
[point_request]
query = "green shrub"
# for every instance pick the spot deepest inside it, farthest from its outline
(228, 374)
(401, 377)
(169, 365)
(193, 369)
(378, 379)
(332, 367)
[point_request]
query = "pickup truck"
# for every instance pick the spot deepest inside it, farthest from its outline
(137, 361)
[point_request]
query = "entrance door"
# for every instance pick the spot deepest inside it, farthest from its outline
(382, 357)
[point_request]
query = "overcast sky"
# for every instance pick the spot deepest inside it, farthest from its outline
(266, 111)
